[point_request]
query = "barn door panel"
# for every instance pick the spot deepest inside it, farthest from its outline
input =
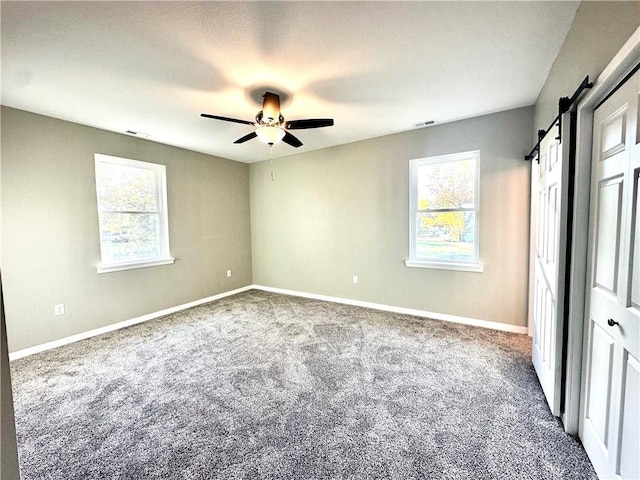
(548, 298)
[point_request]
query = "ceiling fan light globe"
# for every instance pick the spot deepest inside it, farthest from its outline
(270, 135)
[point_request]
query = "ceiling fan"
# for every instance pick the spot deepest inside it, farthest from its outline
(270, 125)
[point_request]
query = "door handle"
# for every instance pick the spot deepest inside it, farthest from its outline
(612, 322)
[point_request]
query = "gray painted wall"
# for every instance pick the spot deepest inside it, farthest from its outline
(598, 32)
(50, 229)
(343, 211)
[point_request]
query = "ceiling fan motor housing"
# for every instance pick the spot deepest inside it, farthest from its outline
(271, 108)
(270, 126)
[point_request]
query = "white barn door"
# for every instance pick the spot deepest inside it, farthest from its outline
(550, 187)
(609, 419)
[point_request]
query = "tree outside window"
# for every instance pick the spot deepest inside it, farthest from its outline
(444, 208)
(132, 211)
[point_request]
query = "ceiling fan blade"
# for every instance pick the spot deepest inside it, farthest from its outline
(271, 107)
(246, 137)
(291, 140)
(227, 119)
(309, 123)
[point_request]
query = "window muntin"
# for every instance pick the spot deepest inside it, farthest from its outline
(444, 211)
(132, 213)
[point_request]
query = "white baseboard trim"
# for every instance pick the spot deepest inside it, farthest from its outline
(346, 301)
(116, 326)
(408, 311)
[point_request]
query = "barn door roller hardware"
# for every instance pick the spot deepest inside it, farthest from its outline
(564, 104)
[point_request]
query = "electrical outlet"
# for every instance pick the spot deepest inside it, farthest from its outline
(58, 309)
(355, 279)
(228, 273)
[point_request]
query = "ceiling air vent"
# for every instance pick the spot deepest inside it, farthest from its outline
(425, 124)
(138, 134)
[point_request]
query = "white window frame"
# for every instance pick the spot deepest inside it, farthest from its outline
(473, 265)
(160, 175)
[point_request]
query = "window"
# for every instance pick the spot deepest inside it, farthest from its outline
(444, 212)
(132, 213)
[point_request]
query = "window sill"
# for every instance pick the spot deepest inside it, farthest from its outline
(131, 265)
(463, 267)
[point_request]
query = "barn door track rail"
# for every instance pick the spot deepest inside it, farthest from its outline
(564, 104)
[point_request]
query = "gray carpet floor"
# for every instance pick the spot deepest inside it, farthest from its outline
(268, 386)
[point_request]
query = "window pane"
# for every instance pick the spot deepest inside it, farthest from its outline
(446, 236)
(129, 237)
(123, 188)
(447, 185)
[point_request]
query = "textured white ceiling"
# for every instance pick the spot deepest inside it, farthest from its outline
(375, 67)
